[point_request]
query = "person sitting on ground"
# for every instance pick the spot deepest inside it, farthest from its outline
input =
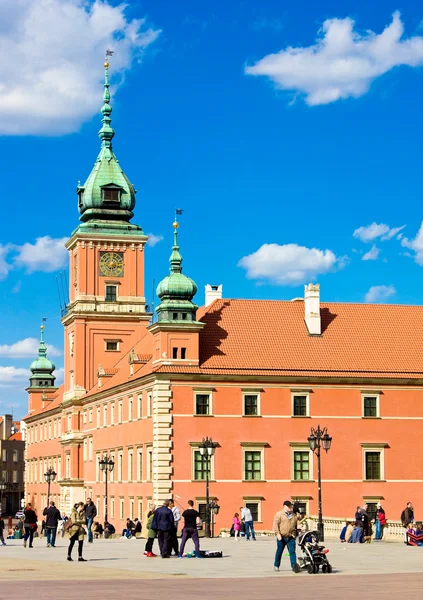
(357, 535)
(151, 534)
(109, 529)
(98, 530)
(137, 528)
(343, 533)
(127, 532)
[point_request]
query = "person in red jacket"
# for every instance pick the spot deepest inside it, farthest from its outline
(380, 521)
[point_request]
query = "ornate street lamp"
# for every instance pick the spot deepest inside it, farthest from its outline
(3, 486)
(106, 464)
(207, 448)
(49, 476)
(319, 438)
(214, 510)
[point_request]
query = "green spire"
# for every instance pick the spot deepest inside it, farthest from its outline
(42, 368)
(107, 198)
(176, 291)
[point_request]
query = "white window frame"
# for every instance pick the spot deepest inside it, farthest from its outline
(196, 448)
(374, 448)
(121, 508)
(112, 341)
(130, 409)
(247, 392)
(202, 392)
(112, 413)
(253, 448)
(140, 470)
(112, 507)
(370, 395)
(302, 448)
(139, 399)
(300, 393)
(140, 507)
(120, 466)
(253, 499)
(304, 500)
(116, 286)
(149, 404)
(98, 416)
(97, 467)
(120, 411)
(90, 448)
(15, 456)
(105, 411)
(132, 508)
(130, 465)
(150, 463)
(111, 473)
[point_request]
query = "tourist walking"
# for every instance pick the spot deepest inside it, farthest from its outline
(285, 526)
(191, 518)
(174, 536)
(247, 518)
(163, 523)
(3, 543)
(76, 530)
(151, 534)
(407, 518)
(30, 524)
(53, 517)
(90, 515)
(237, 526)
(380, 521)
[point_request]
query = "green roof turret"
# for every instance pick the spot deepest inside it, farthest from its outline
(176, 291)
(107, 198)
(42, 368)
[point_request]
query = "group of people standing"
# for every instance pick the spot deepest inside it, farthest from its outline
(163, 522)
(245, 524)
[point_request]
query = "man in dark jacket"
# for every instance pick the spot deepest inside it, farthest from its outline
(53, 516)
(407, 517)
(163, 523)
(90, 515)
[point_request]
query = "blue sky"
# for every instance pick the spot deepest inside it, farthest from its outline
(280, 158)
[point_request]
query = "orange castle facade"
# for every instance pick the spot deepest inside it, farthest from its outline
(254, 376)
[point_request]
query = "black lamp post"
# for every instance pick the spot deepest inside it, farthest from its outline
(3, 486)
(207, 448)
(214, 510)
(106, 464)
(49, 476)
(319, 438)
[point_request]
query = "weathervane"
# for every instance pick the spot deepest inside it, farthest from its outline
(108, 53)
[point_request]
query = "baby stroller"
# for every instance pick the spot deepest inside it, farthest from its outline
(314, 555)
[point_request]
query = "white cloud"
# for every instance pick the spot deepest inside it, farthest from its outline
(153, 239)
(4, 266)
(47, 254)
(379, 292)
(27, 348)
(342, 63)
(372, 254)
(60, 375)
(289, 264)
(376, 230)
(415, 244)
(50, 82)
(10, 376)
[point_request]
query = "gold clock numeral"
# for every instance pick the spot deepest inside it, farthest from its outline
(111, 264)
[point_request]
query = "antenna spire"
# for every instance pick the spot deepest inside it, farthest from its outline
(106, 133)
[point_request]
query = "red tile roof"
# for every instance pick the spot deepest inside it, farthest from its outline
(270, 337)
(16, 436)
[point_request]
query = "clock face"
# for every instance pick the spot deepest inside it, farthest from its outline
(111, 264)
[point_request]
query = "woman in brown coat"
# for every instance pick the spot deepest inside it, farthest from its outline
(77, 531)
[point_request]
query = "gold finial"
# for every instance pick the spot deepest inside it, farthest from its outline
(41, 327)
(175, 225)
(106, 65)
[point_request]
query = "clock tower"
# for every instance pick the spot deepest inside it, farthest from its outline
(106, 314)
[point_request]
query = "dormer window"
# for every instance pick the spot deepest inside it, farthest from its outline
(111, 194)
(80, 198)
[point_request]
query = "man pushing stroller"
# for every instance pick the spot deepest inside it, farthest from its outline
(285, 527)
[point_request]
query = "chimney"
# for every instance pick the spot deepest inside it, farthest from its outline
(213, 292)
(312, 308)
(7, 426)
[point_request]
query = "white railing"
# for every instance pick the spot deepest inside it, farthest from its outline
(393, 532)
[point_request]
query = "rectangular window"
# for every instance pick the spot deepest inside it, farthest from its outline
(200, 466)
(150, 465)
(370, 406)
(15, 456)
(91, 415)
(174, 352)
(301, 465)
(371, 510)
(300, 406)
(252, 465)
(121, 508)
(111, 195)
(15, 477)
(140, 509)
(202, 510)
(251, 405)
(111, 293)
(120, 466)
(5, 476)
(202, 404)
(97, 468)
(112, 507)
(140, 406)
(139, 465)
(183, 353)
(120, 411)
(373, 469)
(175, 316)
(112, 346)
(254, 508)
(98, 417)
(184, 316)
(150, 404)
(68, 467)
(131, 508)
(130, 409)
(90, 448)
(130, 465)
(105, 415)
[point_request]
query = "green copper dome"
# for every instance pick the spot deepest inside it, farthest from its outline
(42, 368)
(107, 198)
(176, 291)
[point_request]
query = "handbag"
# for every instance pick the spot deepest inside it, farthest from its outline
(67, 525)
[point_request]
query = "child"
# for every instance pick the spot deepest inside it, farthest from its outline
(237, 526)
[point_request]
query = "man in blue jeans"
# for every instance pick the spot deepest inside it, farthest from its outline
(285, 527)
(90, 515)
(247, 518)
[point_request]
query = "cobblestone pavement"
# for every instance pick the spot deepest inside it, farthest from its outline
(377, 570)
